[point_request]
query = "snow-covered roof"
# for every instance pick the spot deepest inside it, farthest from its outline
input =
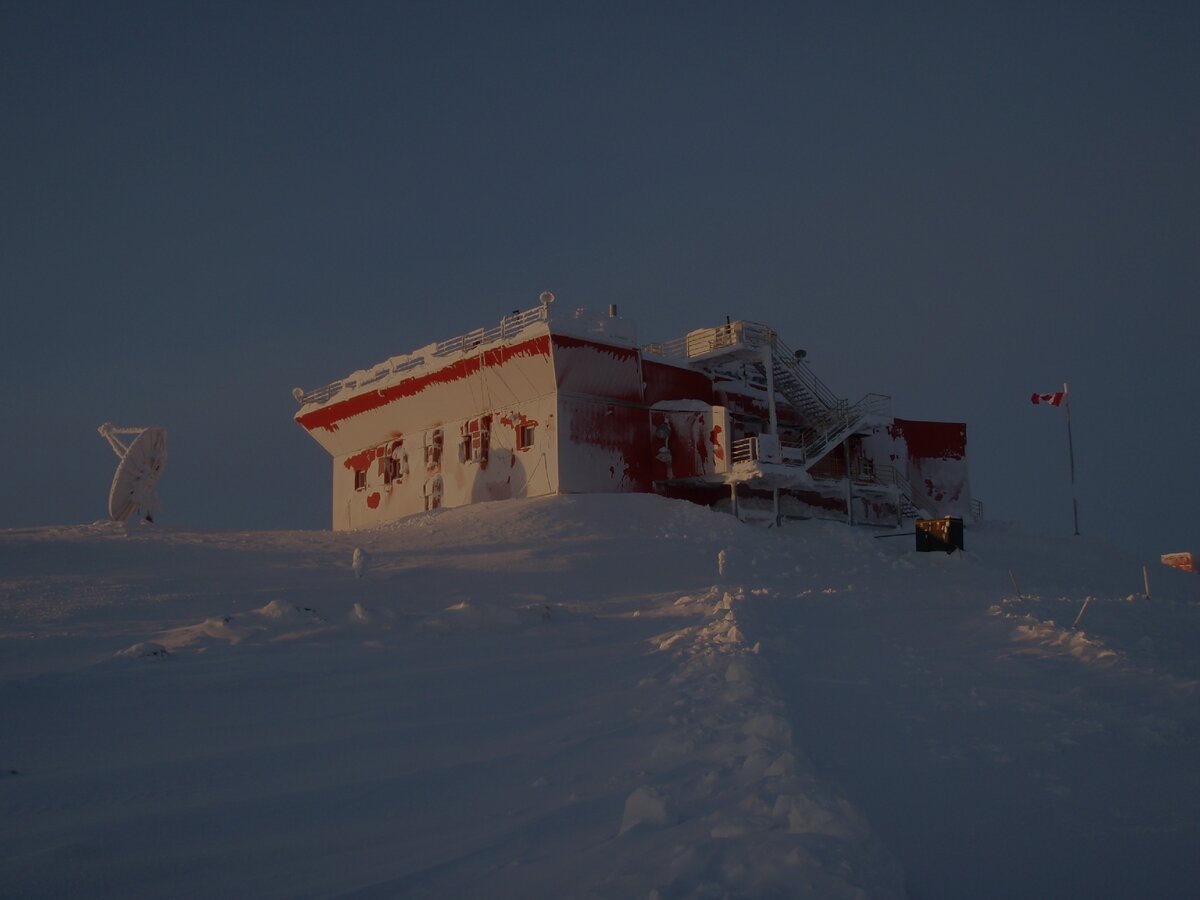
(580, 322)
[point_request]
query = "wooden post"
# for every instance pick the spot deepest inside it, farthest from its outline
(1020, 596)
(1146, 580)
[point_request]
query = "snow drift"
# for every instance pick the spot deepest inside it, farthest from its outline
(607, 696)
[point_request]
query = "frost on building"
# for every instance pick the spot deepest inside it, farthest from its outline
(556, 401)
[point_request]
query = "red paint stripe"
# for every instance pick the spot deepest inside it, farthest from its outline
(328, 417)
(623, 353)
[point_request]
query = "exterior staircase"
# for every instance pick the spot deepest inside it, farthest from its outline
(906, 499)
(830, 419)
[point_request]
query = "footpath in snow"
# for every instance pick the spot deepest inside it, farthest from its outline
(592, 697)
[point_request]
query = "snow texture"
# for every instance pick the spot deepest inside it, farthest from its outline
(592, 696)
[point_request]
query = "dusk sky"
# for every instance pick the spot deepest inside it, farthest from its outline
(958, 204)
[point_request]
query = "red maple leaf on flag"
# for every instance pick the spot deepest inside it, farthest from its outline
(1054, 399)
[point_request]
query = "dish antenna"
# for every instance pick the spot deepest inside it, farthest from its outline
(546, 298)
(141, 465)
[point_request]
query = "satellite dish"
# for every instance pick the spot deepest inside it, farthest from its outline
(141, 465)
(546, 298)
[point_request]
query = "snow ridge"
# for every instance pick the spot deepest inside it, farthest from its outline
(755, 819)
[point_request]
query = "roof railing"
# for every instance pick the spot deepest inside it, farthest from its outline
(509, 326)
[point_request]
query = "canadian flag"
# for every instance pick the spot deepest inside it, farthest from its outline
(1054, 399)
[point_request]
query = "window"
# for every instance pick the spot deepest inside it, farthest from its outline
(360, 479)
(479, 447)
(433, 493)
(395, 465)
(433, 451)
(476, 441)
(525, 436)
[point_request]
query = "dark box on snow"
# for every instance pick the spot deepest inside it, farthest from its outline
(939, 534)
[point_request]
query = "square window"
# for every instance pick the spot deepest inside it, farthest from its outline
(525, 437)
(433, 451)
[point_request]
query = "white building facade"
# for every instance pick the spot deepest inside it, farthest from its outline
(565, 401)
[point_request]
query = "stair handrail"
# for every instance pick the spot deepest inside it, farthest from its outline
(800, 370)
(888, 474)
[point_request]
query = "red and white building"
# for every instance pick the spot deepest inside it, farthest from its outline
(555, 401)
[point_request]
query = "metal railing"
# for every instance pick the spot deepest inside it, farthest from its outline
(881, 475)
(745, 450)
(831, 418)
(793, 453)
(509, 326)
(790, 366)
(326, 393)
(750, 335)
(700, 342)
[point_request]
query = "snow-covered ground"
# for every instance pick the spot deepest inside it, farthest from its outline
(605, 696)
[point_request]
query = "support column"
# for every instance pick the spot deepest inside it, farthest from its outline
(733, 498)
(768, 359)
(772, 415)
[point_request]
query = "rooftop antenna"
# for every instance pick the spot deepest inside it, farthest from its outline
(140, 467)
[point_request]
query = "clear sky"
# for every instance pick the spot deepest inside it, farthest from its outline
(205, 205)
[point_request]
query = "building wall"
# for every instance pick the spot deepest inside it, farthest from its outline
(933, 456)
(607, 428)
(494, 456)
(664, 381)
(464, 385)
(690, 439)
(574, 412)
(603, 447)
(603, 428)
(588, 368)
(399, 449)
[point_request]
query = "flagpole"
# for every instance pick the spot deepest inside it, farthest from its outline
(1071, 456)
